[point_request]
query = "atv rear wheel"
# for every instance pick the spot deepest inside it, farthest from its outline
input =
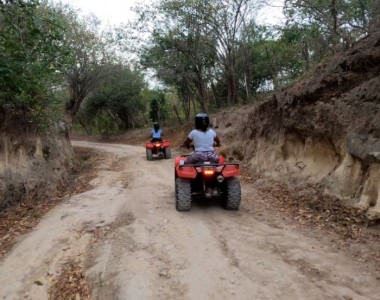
(232, 194)
(167, 152)
(149, 154)
(183, 194)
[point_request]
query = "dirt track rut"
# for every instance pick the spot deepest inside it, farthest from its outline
(135, 245)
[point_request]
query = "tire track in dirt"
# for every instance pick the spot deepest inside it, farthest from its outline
(135, 245)
(279, 258)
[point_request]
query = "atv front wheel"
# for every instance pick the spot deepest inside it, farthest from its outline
(183, 194)
(232, 194)
(149, 154)
(167, 152)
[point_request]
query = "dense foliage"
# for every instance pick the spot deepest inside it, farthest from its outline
(117, 104)
(56, 63)
(30, 53)
(215, 53)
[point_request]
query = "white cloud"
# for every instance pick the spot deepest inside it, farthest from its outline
(271, 13)
(114, 12)
(109, 12)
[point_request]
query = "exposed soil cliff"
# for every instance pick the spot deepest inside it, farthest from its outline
(325, 129)
(32, 166)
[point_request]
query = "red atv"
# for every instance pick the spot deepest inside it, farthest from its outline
(158, 148)
(209, 180)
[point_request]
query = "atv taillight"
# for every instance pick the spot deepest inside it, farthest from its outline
(158, 145)
(208, 172)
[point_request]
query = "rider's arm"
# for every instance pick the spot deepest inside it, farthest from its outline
(217, 141)
(186, 143)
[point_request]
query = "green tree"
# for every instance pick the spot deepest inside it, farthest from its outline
(194, 45)
(179, 50)
(118, 99)
(158, 107)
(89, 56)
(31, 55)
(340, 22)
(227, 19)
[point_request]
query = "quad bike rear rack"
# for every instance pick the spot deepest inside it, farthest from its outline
(191, 170)
(209, 165)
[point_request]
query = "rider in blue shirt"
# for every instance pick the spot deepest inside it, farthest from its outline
(203, 139)
(156, 132)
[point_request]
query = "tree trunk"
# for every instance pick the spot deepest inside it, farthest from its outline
(334, 35)
(246, 87)
(305, 56)
(231, 88)
(177, 114)
(77, 95)
(194, 107)
(273, 65)
(213, 88)
(231, 79)
(202, 93)
(186, 105)
(84, 127)
(204, 104)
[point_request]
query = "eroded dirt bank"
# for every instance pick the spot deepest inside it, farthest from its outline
(133, 244)
(32, 165)
(323, 130)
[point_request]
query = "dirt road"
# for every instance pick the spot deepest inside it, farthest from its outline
(135, 245)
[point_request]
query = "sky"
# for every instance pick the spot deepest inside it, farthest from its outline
(114, 12)
(111, 12)
(272, 14)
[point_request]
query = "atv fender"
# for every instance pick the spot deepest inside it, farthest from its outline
(231, 171)
(186, 172)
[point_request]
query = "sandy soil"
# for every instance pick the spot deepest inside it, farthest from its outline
(135, 245)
